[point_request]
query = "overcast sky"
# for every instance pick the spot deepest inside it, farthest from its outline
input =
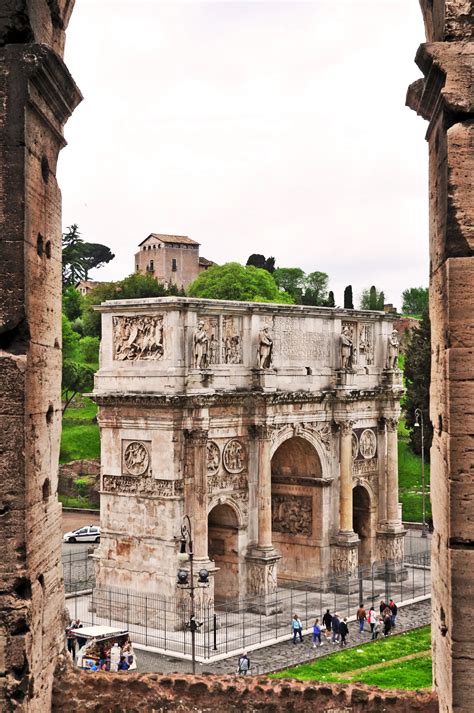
(270, 127)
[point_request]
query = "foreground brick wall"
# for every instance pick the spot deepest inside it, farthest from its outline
(37, 95)
(85, 692)
(445, 97)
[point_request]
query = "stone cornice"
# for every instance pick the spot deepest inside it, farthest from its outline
(230, 398)
(302, 480)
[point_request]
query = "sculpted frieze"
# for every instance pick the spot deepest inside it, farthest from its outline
(136, 457)
(368, 443)
(227, 481)
(234, 456)
(138, 337)
(292, 514)
(366, 344)
(127, 484)
(365, 467)
(231, 340)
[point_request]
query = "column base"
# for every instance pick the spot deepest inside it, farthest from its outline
(345, 377)
(392, 377)
(264, 379)
(262, 581)
(345, 561)
(391, 552)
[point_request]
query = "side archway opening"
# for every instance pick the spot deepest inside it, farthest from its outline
(223, 535)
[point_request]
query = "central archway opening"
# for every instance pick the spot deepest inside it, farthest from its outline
(296, 509)
(361, 518)
(223, 549)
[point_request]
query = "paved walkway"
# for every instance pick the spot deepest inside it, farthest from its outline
(284, 654)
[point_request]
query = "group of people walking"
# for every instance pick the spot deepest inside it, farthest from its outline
(336, 629)
(383, 623)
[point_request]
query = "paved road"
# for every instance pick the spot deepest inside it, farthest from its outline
(285, 654)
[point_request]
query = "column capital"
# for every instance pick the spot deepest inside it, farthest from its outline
(196, 436)
(345, 427)
(261, 432)
(391, 423)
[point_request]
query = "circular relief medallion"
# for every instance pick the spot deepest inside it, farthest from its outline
(213, 457)
(355, 446)
(368, 443)
(234, 456)
(136, 458)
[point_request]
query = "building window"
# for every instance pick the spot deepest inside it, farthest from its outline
(152, 266)
(137, 268)
(174, 266)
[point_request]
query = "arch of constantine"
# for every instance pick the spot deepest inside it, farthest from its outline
(273, 427)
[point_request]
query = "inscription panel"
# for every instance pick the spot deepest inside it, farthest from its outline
(292, 341)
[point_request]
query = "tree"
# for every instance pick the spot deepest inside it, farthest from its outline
(291, 280)
(415, 300)
(316, 292)
(233, 281)
(73, 303)
(417, 373)
(80, 257)
(77, 375)
(371, 298)
(136, 286)
(348, 299)
(262, 262)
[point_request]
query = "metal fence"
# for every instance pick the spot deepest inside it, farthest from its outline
(228, 626)
(79, 571)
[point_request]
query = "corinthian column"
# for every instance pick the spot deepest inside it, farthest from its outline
(197, 495)
(264, 497)
(392, 472)
(345, 479)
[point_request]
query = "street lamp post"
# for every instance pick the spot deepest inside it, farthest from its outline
(185, 554)
(420, 423)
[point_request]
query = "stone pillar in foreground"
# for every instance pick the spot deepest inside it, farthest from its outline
(196, 496)
(37, 97)
(444, 97)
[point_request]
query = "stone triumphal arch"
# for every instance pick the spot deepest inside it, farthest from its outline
(273, 427)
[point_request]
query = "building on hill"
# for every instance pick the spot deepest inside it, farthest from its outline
(85, 286)
(171, 259)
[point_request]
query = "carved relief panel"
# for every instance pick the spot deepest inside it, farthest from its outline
(292, 514)
(366, 344)
(231, 340)
(234, 456)
(138, 338)
(213, 457)
(136, 458)
(349, 345)
(364, 451)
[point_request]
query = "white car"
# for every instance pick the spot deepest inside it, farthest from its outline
(91, 533)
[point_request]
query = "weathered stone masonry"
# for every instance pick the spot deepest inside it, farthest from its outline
(445, 98)
(37, 95)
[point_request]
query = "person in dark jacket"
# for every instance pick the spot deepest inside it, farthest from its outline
(343, 631)
(327, 622)
(387, 624)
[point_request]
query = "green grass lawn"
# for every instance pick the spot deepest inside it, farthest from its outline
(80, 434)
(412, 674)
(409, 480)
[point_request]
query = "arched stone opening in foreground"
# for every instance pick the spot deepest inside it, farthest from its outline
(361, 515)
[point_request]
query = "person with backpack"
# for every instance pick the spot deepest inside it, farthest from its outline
(327, 622)
(297, 627)
(343, 632)
(387, 624)
(244, 664)
(361, 616)
(316, 634)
